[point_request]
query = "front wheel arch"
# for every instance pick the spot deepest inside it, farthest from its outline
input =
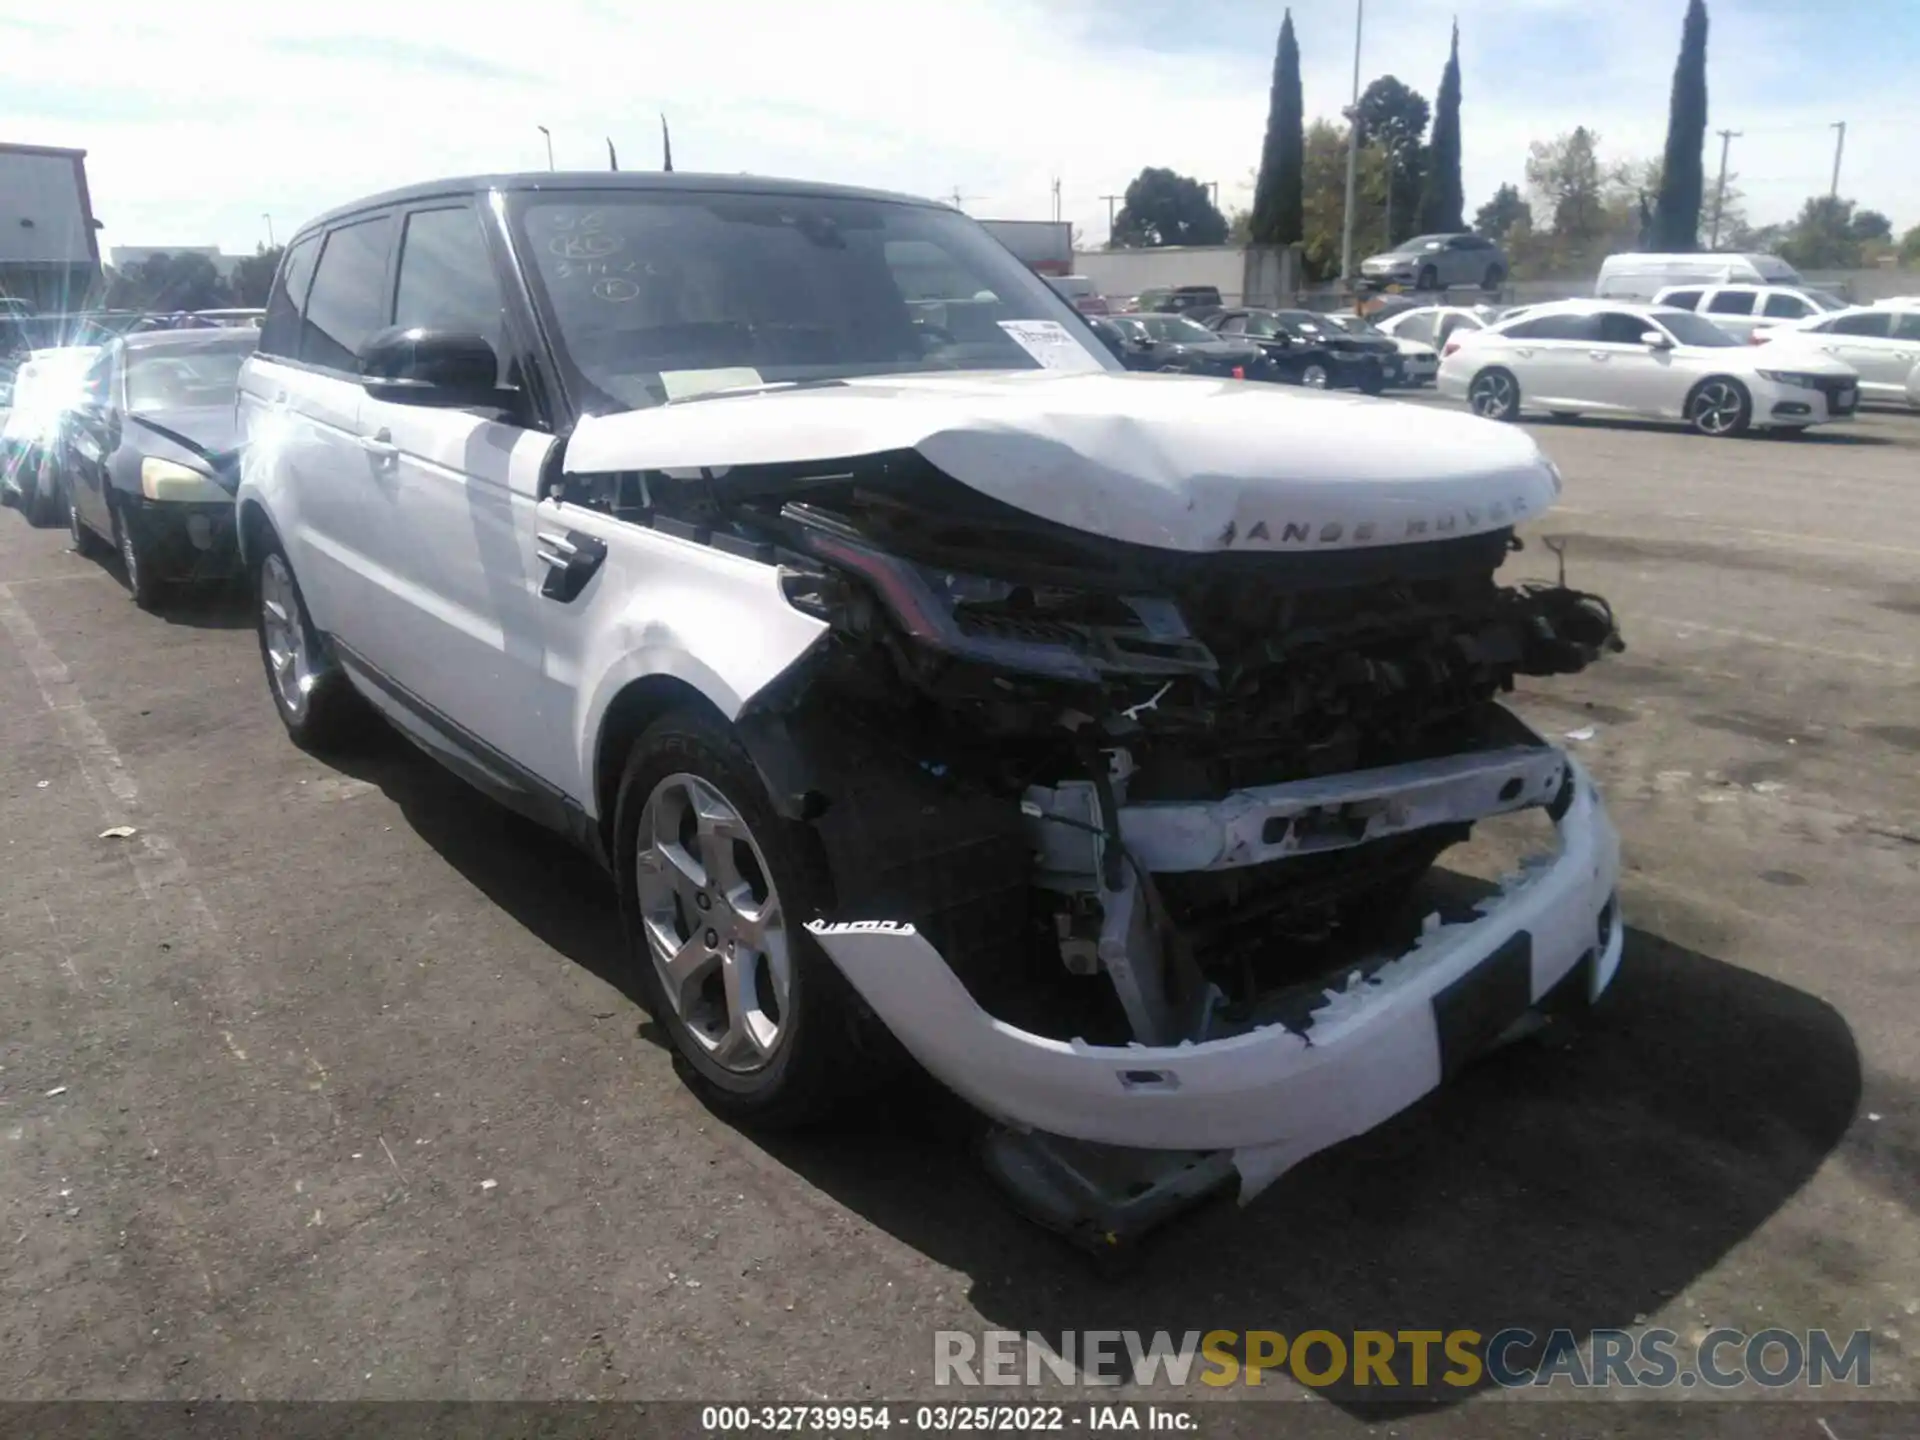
(627, 717)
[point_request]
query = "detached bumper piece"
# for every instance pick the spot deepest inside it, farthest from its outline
(1101, 1142)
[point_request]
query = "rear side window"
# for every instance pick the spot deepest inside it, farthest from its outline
(1683, 299)
(1556, 327)
(1416, 327)
(1880, 324)
(1787, 307)
(1906, 325)
(280, 331)
(1731, 302)
(348, 301)
(446, 277)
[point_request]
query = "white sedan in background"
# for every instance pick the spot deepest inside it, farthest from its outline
(1605, 357)
(1882, 342)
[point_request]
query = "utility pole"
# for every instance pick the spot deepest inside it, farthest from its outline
(269, 219)
(549, 134)
(1393, 173)
(1110, 199)
(1056, 199)
(1838, 145)
(1213, 189)
(1353, 151)
(1727, 137)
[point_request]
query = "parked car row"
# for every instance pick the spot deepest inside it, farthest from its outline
(923, 680)
(1295, 347)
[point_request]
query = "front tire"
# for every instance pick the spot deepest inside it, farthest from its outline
(1314, 377)
(716, 889)
(1495, 395)
(1428, 279)
(1490, 282)
(136, 559)
(313, 697)
(1719, 407)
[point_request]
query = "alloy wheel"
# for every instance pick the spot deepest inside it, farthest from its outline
(714, 925)
(1491, 396)
(1314, 377)
(1716, 408)
(285, 631)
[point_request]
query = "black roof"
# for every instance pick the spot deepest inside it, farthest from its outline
(565, 180)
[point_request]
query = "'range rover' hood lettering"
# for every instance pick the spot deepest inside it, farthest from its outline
(1175, 462)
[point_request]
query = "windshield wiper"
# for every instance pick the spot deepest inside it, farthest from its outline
(754, 390)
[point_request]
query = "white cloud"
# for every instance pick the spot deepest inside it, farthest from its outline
(302, 107)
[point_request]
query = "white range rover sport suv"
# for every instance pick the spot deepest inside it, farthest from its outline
(923, 679)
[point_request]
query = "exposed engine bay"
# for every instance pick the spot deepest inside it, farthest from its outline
(1130, 794)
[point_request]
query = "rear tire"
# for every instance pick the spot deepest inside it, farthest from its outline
(43, 507)
(1491, 281)
(783, 1039)
(1314, 377)
(311, 694)
(1494, 394)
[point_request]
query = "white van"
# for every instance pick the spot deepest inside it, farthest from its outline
(1639, 278)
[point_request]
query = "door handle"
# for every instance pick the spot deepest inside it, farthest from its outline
(571, 559)
(1599, 355)
(381, 449)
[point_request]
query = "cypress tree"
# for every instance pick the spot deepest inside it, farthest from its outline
(1676, 216)
(1278, 202)
(1443, 202)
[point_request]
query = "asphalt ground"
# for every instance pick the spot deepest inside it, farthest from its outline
(323, 1084)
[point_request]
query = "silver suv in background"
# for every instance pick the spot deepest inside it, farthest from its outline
(1437, 262)
(1741, 309)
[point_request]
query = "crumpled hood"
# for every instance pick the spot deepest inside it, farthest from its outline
(1176, 462)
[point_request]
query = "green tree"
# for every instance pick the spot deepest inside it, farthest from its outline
(1325, 201)
(1870, 225)
(1497, 218)
(1443, 201)
(253, 275)
(166, 282)
(1821, 236)
(1592, 207)
(1163, 208)
(1277, 218)
(1393, 119)
(1676, 214)
(1910, 247)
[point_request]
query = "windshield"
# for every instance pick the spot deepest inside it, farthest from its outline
(1418, 242)
(1355, 325)
(661, 295)
(1176, 328)
(183, 377)
(1821, 300)
(1691, 329)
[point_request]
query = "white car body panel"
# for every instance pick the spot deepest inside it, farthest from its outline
(1883, 360)
(1587, 376)
(1272, 1096)
(1913, 387)
(1176, 462)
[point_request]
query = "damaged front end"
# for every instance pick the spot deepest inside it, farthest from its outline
(1135, 847)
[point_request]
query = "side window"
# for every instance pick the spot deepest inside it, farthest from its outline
(98, 383)
(1787, 307)
(348, 301)
(1731, 302)
(1906, 325)
(280, 329)
(1234, 325)
(1416, 327)
(1619, 328)
(1875, 323)
(1683, 299)
(1557, 327)
(446, 277)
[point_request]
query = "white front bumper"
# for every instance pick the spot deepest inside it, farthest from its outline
(1272, 1096)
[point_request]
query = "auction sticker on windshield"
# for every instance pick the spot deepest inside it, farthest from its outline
(1050, 345)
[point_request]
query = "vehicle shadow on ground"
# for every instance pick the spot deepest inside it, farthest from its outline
(545, 883)
(207, 607)
(1575, 1185)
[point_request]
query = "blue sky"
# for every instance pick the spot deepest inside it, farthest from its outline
(304, 107)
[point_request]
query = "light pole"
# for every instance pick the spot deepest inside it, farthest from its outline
(549, 134)
(269, 219)
(1353, 151)
(1839, 145)
(1727, 137)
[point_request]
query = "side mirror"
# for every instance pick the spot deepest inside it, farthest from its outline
(1656, 340)
(420, 366)
(1141, 342)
